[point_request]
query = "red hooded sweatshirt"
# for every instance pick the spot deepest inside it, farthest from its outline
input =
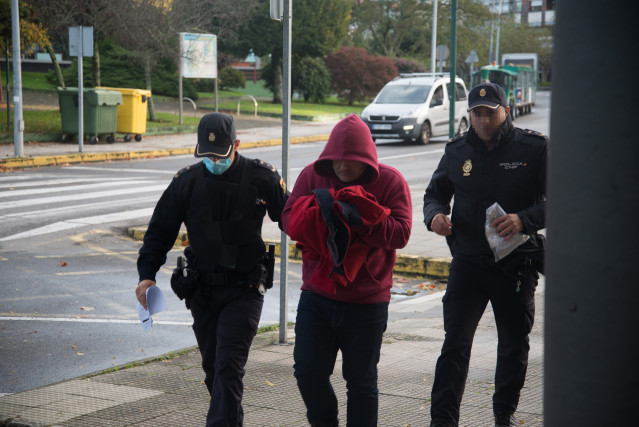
(351, 140)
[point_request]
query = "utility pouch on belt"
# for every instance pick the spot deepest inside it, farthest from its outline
(527, 259)
(265, 269)
(182, 284)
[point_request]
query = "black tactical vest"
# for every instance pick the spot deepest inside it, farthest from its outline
(230, 239)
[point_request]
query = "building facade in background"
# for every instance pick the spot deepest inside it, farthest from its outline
(536, 13)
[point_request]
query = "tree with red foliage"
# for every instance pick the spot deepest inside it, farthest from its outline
(356, 75)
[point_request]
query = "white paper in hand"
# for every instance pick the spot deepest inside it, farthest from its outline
(145, 318)
(499, 245)
(155, 300)
(155, 303)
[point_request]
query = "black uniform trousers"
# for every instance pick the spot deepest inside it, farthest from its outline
(470, 287)
(225, 321)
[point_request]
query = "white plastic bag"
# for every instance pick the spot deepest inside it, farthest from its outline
(500, 247)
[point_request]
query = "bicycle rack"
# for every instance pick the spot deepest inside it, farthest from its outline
(254, 103)
(192, 103)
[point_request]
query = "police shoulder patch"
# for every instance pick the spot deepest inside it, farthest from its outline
(457, 137)
(530, 132)
(265, 165)
(185, 170)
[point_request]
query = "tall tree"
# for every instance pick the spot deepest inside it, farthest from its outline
(319, 26)
(391, 27)
(59, 15)
(32, 31)
(150, 28)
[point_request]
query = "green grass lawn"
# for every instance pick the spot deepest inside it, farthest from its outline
(31, 80)
(49, 121)
(298, 108)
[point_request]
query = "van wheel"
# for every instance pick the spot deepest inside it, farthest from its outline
(463, 127)
(424, 134)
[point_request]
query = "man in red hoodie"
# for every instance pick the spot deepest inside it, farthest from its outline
(350, 316)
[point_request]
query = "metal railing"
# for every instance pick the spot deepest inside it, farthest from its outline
(192, 103)
(254, 103)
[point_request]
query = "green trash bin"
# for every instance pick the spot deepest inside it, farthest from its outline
(100, 113)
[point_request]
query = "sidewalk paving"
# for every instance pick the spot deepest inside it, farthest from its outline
(171, 392)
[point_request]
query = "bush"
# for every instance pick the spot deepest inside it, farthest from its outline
(409, 66)
(356, 75)
(312, 79)
(118, 68)
(230, 77)
(204, 85)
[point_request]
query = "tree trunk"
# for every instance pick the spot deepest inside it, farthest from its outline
(56, 65)
(277, 86)
(277, 78)
(147, 78)
(96, 64)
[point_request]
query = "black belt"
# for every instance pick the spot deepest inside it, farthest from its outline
(480, 261)
(222, 277)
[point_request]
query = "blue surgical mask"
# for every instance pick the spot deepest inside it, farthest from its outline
(219, 167)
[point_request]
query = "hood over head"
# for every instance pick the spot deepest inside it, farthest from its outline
(350, 139)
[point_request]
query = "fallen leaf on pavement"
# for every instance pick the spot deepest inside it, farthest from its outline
(62, 264)
(269, 383)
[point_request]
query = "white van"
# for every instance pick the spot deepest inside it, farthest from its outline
(416, 107)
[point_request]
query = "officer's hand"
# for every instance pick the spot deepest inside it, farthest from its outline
(441, 225)
(508, 225)
(140, 291)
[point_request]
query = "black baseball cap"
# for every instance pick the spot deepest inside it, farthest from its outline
(489, 95)
(215, 136)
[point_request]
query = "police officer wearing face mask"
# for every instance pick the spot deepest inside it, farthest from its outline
(222, 201)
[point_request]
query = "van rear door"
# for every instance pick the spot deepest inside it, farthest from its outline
(438, 111)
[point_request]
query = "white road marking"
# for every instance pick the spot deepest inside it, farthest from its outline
(83, 187)
(27, 176)
(81, 222)
(90, 168)
(71, 197)
(43, 213)
(424, 153)
(85, 320)
(60, 181)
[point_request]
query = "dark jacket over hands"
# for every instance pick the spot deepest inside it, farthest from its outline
(351, 140)
(513, 174)
(309, 228)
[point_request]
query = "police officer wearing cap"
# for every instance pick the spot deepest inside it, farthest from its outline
(222, 200)
(492, 162)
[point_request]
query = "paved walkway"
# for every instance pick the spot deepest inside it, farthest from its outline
(170, 391)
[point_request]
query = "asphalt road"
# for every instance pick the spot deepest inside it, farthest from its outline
(67, 305)
(68, 272)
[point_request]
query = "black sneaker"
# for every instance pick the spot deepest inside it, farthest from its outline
(504, 420)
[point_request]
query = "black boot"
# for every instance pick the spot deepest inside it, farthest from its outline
(504, 420)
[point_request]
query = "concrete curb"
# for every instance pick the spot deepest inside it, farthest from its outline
(64, 159)
(410, 265)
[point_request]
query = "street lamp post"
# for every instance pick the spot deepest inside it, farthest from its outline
(433, 40)
(501, 2)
